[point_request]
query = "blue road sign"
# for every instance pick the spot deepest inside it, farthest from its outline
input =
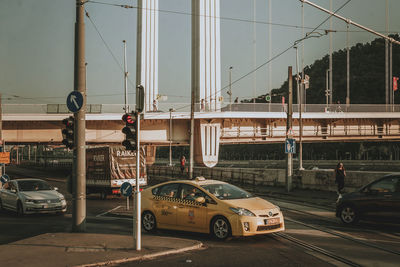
(126, 189)
(4, 178)
(74, 101)
(290, 146)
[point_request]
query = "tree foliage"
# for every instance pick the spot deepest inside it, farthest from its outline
(367, 75)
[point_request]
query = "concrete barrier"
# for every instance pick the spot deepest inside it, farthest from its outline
(306, 179)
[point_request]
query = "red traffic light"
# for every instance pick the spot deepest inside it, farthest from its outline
(129, 118)
(69, 122)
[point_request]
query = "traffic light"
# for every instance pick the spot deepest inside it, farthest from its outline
(68, 132)
(130, 131)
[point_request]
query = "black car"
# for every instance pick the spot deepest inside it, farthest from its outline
(379, 199)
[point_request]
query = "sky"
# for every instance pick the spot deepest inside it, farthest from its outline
(37, 45)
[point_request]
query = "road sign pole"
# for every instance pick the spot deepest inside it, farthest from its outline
(137, 225)
(79, 185)
(289, 156)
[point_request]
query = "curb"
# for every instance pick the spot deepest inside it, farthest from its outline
(143, 257)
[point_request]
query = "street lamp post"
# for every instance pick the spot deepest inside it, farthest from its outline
(299, 97)
(230, 88)
(170, 135)
(300, 92)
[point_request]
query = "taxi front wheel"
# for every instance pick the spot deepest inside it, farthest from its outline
(149, 221)
(220, 228)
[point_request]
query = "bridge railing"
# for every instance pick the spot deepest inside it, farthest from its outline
(165, 107)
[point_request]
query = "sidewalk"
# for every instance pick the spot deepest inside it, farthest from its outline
(83, 249)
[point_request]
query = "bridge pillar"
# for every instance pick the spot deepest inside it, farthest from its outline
(206, 77)
(206, 54)
(147, 51)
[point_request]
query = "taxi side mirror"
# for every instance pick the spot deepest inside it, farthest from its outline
(13, 191)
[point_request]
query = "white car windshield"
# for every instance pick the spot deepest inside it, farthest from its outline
(33, 185)
(227, 191)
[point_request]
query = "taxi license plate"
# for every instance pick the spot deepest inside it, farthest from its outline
(271, 221)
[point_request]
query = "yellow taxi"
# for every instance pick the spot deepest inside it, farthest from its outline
(208, 206)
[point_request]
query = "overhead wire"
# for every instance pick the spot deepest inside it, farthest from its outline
(224, 18)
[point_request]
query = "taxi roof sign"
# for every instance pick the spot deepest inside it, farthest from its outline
(200, 178)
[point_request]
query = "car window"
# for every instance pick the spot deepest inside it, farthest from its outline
(189, 192)
(227, 191)
(33, 185)
(168, 190)
(386, 185)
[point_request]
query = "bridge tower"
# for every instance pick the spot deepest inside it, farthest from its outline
(147, 51)
(206, 77)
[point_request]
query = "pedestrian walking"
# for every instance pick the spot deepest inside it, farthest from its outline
(340, 173)
(183, 162)
(155, 105)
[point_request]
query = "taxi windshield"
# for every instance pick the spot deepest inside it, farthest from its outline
(226, 191)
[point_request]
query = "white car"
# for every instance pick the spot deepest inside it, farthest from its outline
(26, 196)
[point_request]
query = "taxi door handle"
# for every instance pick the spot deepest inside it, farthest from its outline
(181, 206)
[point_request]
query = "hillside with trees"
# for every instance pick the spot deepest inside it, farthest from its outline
(367, 76)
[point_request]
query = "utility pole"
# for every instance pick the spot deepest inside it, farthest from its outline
(330, 57)
(125, 79)
(1, 136)
(138, 199)
(391, 74)
(348, 69)
(230, 88)
(79, 184)
(255, 50)
(170, 136)
(299, 83)
(191, 163)
(289, 156)
(270, 53)
(387, 58)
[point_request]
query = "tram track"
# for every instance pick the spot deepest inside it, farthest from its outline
(317, 249)
(326, 249)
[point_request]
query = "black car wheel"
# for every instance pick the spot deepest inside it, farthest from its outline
(348, 214)
(20, 209)
(220, 228)
(149, 221)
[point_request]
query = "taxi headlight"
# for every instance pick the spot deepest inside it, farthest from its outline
(242, 212)
(61, 198)
(28, 200)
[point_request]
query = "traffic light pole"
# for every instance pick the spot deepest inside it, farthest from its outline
(137, 225)
(79, 179)
(289, 159)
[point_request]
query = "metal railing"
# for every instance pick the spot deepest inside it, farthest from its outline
(164, 107)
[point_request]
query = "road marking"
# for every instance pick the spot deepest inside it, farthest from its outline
(104, 213)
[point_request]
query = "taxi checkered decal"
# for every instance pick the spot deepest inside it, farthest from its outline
(178, 200)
